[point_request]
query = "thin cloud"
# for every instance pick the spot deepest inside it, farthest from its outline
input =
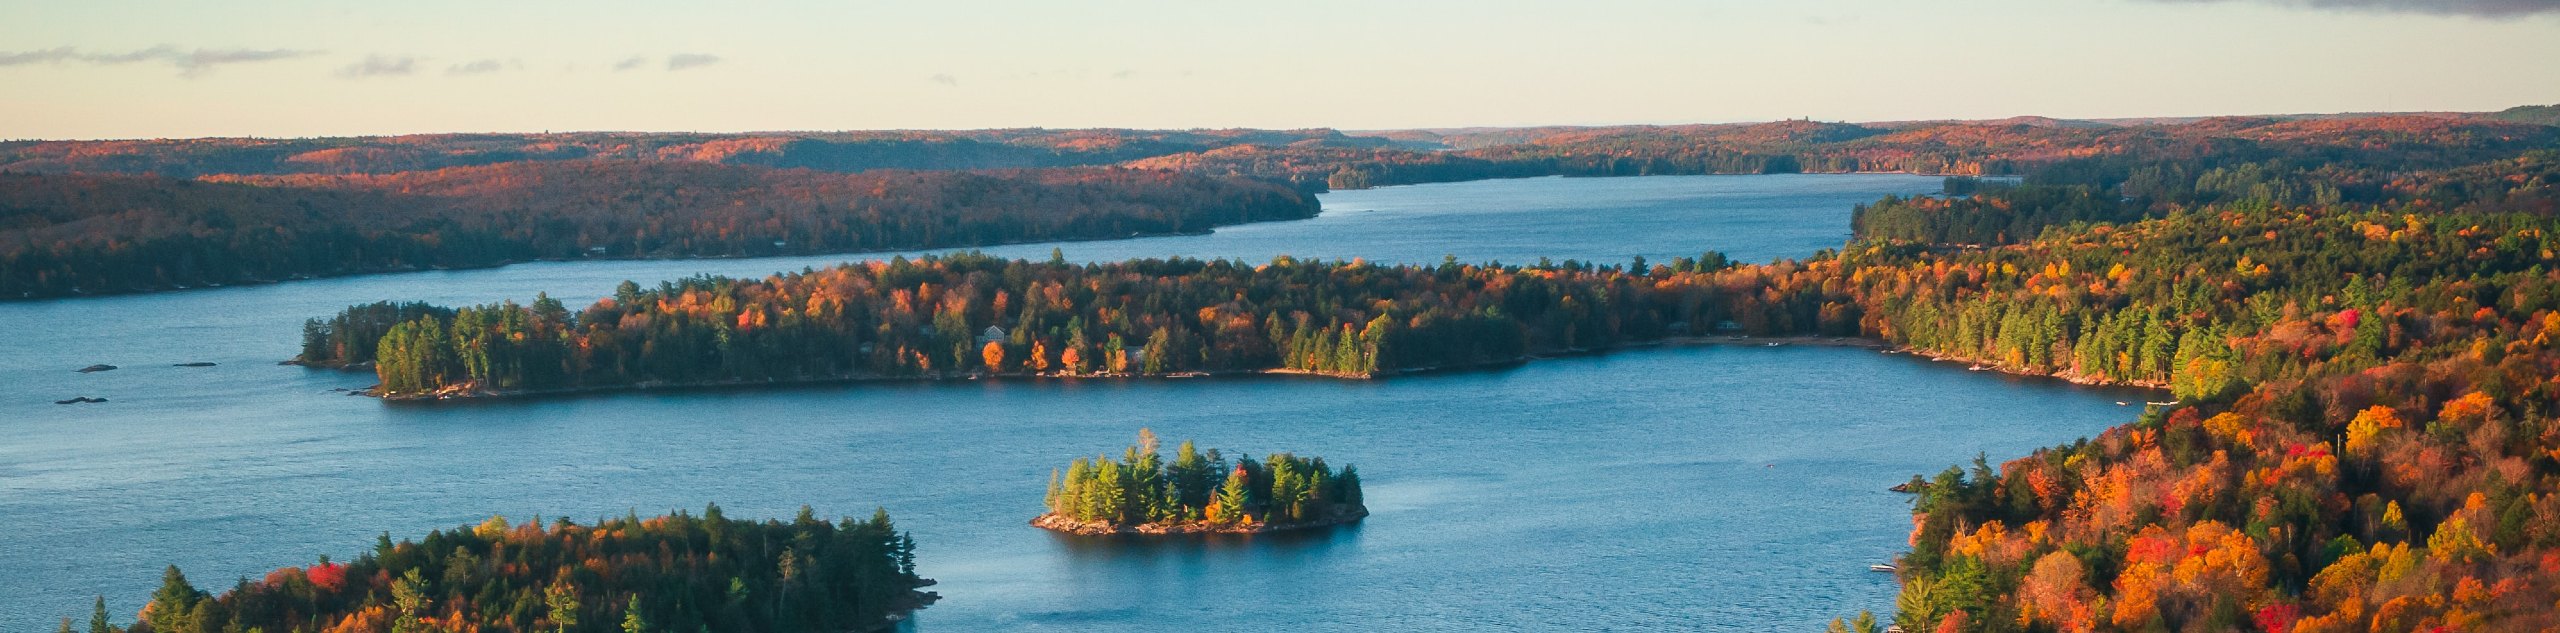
(681, 61)
(944, 79)
(39, 56)
(380, 66)
(2491, 9)
(481, 67)
(190, 63)
(630, 63)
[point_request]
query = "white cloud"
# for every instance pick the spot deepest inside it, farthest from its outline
(189, 63)
(380, 66)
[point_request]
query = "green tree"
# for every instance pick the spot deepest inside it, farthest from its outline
(1234, 495)
(409, 602)
(171, 604)
(1864, 623)
(560, 603)
(631, 620)
(98, 617)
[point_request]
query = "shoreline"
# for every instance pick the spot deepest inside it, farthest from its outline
(310, 276)
(1061, 524)
(916, 599)
(398, 270)
(470, 393)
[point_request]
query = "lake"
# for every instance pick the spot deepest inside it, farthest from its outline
(1709, 487)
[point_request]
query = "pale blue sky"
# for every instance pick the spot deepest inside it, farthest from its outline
(121, 68)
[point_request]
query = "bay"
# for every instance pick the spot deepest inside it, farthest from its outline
(1711, 487)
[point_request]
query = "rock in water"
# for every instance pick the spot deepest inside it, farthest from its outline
(192, 365)
(80, 400)
(96, 368)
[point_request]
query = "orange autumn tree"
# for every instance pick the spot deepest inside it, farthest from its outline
(993, 354)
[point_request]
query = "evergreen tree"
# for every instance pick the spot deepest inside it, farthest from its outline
(631, 620)
(560, 603)
(1233, 496)
(171, 604)
(98, 617)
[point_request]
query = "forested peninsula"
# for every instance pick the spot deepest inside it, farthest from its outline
(676, 572)
(1198, 493)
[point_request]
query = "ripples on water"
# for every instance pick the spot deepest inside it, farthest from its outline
(1726, 488)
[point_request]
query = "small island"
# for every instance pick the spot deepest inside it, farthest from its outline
(1199, 493)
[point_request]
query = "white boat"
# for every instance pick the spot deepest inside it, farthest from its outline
(1881, 567)
(1978, 368)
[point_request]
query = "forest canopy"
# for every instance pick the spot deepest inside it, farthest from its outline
(1198, 491)
(676, 572)
(971, 315)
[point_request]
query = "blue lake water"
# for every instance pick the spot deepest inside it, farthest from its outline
(1713, 487)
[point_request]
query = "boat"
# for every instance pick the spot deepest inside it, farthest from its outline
(1978, 368)
(2121, 403)
(1881, 567)
(2171, 403)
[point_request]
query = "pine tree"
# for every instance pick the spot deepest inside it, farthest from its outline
(1233, 496)
(169, 605)
(1079, 484)
(560, 603)
(1191, 488)
(1106, 498)
(98, 618)
(409, 602)
(1057, 492)
(1159, 350)
(631, 620)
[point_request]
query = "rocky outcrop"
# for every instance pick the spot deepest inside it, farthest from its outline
(1061, 523)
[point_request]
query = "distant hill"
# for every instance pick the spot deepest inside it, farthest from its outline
(823, 151)
(2538, 115)
(75, 234)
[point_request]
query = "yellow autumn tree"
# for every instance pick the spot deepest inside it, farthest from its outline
(2367, 429)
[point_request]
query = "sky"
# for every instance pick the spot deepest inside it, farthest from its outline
(177, 68)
